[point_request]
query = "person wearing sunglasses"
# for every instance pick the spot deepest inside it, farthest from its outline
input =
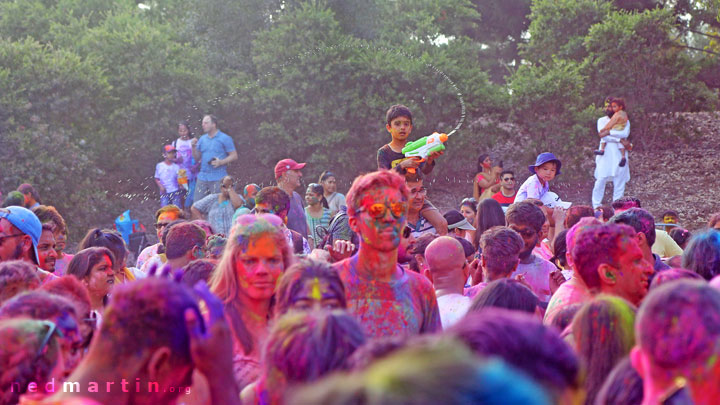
(422, 216)
(508, 191)
(163, 217)
(387, 299)
(20, 232)
(29, 345)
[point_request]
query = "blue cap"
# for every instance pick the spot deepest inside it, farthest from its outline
(544, 158)
(26, 221)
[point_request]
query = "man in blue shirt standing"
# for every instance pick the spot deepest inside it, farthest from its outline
(215, 149)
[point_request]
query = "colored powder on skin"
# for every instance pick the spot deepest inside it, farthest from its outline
(315, 292)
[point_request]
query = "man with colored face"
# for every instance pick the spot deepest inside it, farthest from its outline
(20, 232)
(273, 200)
(163, 217)
(387, 299)
(46, 249)
(527, 219)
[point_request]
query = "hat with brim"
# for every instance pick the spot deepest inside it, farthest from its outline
(544, 158)
(27, 222)
(285, 165)
(456, 220)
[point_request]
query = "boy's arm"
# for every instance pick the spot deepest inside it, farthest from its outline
(160, 186)
(436, 220)
(428, 167)
(613, 121)
(382, 161)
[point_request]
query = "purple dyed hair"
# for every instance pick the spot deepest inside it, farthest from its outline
(597, 245)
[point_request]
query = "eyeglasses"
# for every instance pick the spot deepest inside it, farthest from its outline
(378, 210)
(15, 235)
(421, 191)
(161, 225)
(52, 328)
(525, 233)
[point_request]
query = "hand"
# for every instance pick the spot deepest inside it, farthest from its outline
(521, 279)
(193, 142)
(556, 278)
(215, 162)
(211, 345)
(341, 249)
(476, 272)
(558, 215)
(412, 163)
(162, 189)
(434, 155)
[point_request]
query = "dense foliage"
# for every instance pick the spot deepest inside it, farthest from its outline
(90, 90)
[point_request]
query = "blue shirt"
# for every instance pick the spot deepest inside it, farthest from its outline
(218, 146)
(296, 216)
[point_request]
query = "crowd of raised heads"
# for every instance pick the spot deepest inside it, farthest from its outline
(372, 297)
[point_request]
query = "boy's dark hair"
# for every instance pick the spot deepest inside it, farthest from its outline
(607, 212)
(620, 102)
(182, 239)
(638, 219)
(278, 200)
(197, 270)
(505, 293)
(525, 213)
(626, 202)
(504, 172)
(421, 244)
(398, 110)
(671, 212)
(414, 177)
(106, 238)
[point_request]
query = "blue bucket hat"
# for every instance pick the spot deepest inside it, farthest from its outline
(544, 158)
(26, 221)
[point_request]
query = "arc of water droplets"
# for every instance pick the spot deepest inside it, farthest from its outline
(324, 49)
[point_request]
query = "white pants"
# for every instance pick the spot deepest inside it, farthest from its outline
(599, 189)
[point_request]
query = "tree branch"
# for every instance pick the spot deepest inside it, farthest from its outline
(696, 49)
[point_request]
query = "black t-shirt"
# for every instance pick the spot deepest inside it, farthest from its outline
(389, 159)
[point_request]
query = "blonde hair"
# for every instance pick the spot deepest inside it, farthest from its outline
(224, 282)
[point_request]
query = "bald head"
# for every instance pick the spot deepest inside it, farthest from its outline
(444, 255)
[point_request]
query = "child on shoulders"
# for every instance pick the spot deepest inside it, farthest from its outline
(546, 167)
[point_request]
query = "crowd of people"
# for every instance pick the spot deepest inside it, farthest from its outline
(374, 297)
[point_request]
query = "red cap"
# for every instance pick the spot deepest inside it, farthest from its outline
(285, 165)
(170, 148)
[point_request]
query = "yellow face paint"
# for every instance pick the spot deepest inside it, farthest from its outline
(315, 292)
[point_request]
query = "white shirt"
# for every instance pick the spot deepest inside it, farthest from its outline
(167, 174)
(532, 188)
(607, 165)
(452, 308)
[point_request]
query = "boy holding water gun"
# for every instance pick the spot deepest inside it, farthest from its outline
(390, 156)
(399, 124)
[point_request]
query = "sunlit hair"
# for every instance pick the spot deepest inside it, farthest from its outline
(16, 276)
(666, 276)
(304, 346)
(106, 238)
(365, 182)
(48, 214)
(624, 203)
(505, 293)
(20, 340)
(83, 262)
(169, 208)
(70, 287)
(598, 245)
(671, 344)
(603, 333)
(576, 212)
(182, 238)
(295, 277)
(525, 213)
(702, 254)
(489, 214)
(38, 304)
(144, 315)
(620, 102)
(500, 247)
(522, 341)
(224, 280)
(446, 372)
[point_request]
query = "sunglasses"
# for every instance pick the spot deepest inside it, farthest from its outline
(378, 210)
(52, 329)
(421, 191)
(161, 225)
(406, 232)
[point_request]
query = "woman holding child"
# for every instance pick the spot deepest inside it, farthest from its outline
(487, 179)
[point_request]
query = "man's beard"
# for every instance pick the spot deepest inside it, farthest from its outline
(17, 254)
(609, 113)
